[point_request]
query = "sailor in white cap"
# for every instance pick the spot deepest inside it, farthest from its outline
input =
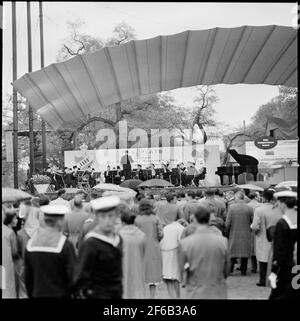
(285, 248)
(99, 272)
(49, 257)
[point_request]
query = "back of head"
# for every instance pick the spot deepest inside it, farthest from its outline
(139, 197)
(268, 195)
(78, 201)
(239, 196)
(181, 194)
(191, 194)
(252, 195)
(202, 215)
(35, 202)
(61, 192)
(94, 195)
(16, 204)
(199, 193)
(170, 197)
(127, 217)
(146, 207)
(43, 200)
(9, 214)
(209, 193)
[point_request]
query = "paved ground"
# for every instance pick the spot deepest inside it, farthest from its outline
(239, 287)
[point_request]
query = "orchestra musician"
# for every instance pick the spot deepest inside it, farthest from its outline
(175, 176)
(126, 162)
(166, 173)
(191, 173)
(92, 179)
(182, 173)
(118, 175)
(68, 177)
(107, 175)
(200, 176)
(139, 173)
(153, 172)
(74, 176)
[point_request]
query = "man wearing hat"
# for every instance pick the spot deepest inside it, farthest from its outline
(49, 258)
(99, 272)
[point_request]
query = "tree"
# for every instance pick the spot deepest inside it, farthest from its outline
(79, 43)
(282, 106)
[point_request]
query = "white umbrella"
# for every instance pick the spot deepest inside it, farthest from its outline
(251, 187)
(13, 195)
(287, 184)
(112, 187)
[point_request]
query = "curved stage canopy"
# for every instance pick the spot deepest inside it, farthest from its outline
(66, 91)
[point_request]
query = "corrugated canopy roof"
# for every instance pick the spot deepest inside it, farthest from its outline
(66, 91)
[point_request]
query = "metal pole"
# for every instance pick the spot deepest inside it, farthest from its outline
(44, 150)
(30, 111)
(15, 97)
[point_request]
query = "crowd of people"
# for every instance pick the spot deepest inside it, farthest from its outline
(103, 247)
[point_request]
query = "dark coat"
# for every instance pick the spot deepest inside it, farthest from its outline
(238, 222)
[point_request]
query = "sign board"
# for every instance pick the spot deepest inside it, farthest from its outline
(9, 146)
(284, 152)
(265, 142)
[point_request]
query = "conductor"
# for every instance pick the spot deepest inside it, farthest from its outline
(126, 161)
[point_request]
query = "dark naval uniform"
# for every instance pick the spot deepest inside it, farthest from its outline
(99, 273)
(49, 262)
(49, 259)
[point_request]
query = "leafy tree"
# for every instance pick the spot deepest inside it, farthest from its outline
(282, 106)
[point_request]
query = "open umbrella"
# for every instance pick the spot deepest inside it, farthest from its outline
(251, 187)
(289, 185)
(156, 183)
(13, 195)
(131, 183)
(111, 187)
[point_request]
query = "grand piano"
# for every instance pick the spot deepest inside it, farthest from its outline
(248, 164)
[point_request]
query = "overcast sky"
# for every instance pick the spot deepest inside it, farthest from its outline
(149, 20)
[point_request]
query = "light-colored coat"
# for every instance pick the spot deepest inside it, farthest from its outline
(262, 218)
(254, 204)
(206, 253)
(238, 221)
(134, 246)
(151, 226)
(9, 250)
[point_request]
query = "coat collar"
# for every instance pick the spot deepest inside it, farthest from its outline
(34, 246)
(291, 225)
(114, 242)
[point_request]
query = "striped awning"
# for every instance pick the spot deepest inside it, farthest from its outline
(67, 91)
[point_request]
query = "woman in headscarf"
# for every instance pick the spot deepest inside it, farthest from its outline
(285, 240)
(150, 225)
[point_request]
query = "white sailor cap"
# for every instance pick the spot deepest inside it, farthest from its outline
(285, 194)
(54, 209)
(105, 203)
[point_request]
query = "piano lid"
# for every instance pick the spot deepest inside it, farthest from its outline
(243, 160)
